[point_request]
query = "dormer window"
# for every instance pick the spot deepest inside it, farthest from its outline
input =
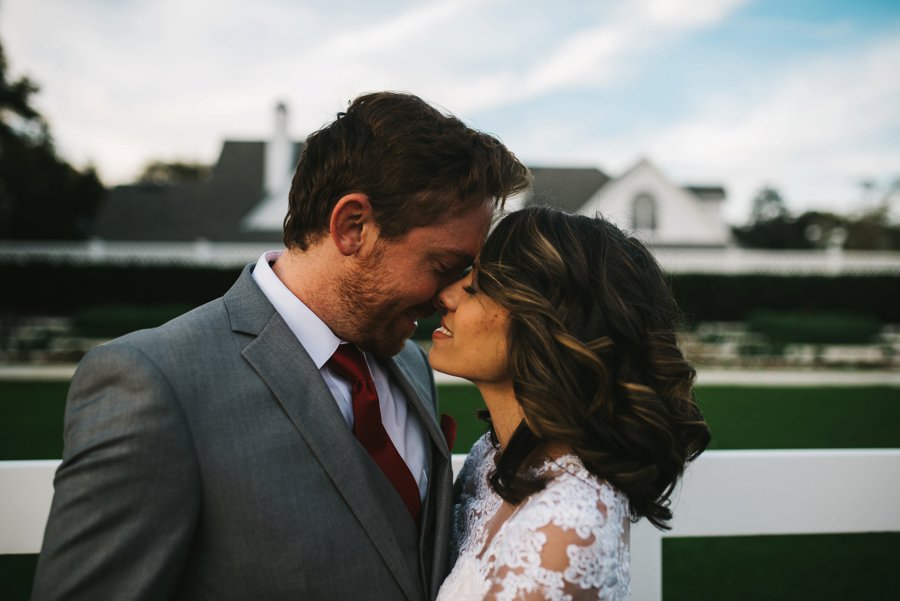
(643, 212)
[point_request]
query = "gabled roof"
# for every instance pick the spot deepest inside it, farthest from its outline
(681, 219)
(210, 210)
(567, 188)
(152, 212)
(707, 192)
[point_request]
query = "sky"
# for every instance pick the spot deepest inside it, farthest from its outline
(800, 95)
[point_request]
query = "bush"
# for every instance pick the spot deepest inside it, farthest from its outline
(110, 321)
(46, 288)
(788, 327)
(712, 297)
(60, 289)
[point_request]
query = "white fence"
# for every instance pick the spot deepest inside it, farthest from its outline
(203, 253)
(733, 493)
(724, 493)
(26, 490)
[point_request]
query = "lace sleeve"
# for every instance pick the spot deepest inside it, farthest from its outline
(466, 501)
(569, 542)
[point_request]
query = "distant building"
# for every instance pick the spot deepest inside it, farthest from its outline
(644, 201)
(245, 200)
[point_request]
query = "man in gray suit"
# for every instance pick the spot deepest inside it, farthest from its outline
(222, 455)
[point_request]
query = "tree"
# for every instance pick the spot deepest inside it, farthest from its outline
(41, 195)
(768, 205)
(174, 172)
(771, 224)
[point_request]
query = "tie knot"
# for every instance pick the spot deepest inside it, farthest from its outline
(348, 362)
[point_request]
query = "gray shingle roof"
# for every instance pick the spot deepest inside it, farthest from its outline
(565, 187)
(210, 209)
(707, 192)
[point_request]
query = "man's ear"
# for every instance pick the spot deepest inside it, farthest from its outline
(352, 227)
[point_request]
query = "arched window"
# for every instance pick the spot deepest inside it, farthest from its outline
(643, 212)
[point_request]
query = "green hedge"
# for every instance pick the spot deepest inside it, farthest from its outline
(733, 298)
(787, 327)
(54, 289)
(111, 321)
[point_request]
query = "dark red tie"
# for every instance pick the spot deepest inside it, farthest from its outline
(349, 363)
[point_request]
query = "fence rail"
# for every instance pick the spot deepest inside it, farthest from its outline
(723, 493)
(203, 253)
(734, 493)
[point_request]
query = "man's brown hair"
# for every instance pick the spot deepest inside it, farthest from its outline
(417, 165)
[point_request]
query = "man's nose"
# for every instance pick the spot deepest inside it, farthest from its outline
(443, 300)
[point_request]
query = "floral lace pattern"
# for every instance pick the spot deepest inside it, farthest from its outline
(567, 542)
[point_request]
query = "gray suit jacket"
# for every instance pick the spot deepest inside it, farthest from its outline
(207, 459)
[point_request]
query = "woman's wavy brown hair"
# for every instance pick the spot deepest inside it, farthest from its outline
(592, 356)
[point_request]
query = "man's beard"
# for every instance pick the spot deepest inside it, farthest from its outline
(370, 310)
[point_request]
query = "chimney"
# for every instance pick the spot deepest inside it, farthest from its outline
(279, 155)
(278, 171)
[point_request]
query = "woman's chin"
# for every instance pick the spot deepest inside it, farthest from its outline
(437, 364)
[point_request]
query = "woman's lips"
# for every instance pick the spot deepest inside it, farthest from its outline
(442, 332)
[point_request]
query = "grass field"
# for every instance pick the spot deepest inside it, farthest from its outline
(764, 567)
(823, 567)
(740, 417)
(756, 417)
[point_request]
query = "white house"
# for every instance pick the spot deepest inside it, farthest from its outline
(246, 198)
(644, 201)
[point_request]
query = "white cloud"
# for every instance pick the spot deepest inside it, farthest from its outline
(688, 12)
(393, 33)
(124, 82)
(821, 127)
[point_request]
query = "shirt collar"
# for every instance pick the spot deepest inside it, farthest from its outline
(316, 337)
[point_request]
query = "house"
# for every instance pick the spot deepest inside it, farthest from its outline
(245, 200)
(644, 201)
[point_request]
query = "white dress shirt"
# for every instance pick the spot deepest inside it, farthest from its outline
(402, 425)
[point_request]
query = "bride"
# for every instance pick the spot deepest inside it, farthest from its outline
(567, 328)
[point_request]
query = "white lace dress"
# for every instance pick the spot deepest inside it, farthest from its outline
(566, 542)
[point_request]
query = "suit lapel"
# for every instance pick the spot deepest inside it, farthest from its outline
(416, 392)
(434, 536)
(289, 372)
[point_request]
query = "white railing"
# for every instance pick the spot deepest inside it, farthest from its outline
(723, 493)
(26, 490)
(203, 253)
(733, 493)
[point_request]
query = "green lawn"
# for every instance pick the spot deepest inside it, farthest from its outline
(802, 418)
(857, 566)
(823, 567)
(740, 417)
(843, 417)
(31, 419)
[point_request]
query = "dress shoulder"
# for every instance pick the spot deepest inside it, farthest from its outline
(568, 541)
